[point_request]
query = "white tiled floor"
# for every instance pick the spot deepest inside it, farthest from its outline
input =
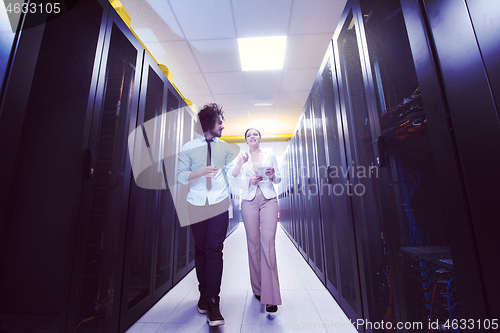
(307, 305)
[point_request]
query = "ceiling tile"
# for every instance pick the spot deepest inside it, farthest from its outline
(177, 56)
(204, 19)
(198, 100)
(306, 51)
(262, 114)
(262, 81)
(265, 127)
(219, 55)
(192, 85)
(235, 127)
(298, 79)
(259, 18)
(156, 16)
(288, 114)
(287, 99)
(283, 126)
(232, 101)
(272, 96)
(236, 115)
(320, 17)
(226, 83)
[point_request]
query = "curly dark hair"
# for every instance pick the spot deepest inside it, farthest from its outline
(209, 114)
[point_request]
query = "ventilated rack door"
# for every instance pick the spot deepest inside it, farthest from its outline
(421, 280)
(144, 205)
(44, 128)
(351, 92)
(99, 257)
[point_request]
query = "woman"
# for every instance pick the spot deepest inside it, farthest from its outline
(260, 217)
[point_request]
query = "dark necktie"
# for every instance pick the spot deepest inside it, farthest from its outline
(209, 162)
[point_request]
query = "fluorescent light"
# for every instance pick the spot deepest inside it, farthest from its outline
(262, 53)
(262, 102)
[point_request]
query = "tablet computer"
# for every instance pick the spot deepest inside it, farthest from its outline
(262, 172)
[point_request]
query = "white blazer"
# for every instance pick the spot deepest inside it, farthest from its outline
(242, 181)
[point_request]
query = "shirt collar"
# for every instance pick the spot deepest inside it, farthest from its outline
(203, 138)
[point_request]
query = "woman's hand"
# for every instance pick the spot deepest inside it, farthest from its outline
(270, 174)
(255, 180)
(242, 159)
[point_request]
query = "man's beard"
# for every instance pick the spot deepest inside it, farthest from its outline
(214, 133)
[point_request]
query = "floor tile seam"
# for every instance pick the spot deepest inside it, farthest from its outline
(329, 295)
(173, 310)
(170, 312)
(244, 311)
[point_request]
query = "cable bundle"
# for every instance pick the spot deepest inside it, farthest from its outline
(408, 186)
(405, 120)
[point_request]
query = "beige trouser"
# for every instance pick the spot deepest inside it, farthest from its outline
(260, 217)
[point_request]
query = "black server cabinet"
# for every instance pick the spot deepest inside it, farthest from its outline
(184, 241)
(83, 246)
(334, 208)
(147, 273)
(389, 151)
(167, 222)
(408, 122)
(311, 187)
(293, 187)
(361, 171)
(9, 30)
(469, 71)
(98, 257)
(300, 208)
(348, 83)
(386, 129)
(44, 128)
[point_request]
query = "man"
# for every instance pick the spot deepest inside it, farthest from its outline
(206, 164)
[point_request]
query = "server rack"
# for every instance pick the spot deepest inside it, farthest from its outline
(469, 81)
(412, 244)
(83, 247)
(311, 190)
(98, 259)
(44, 153)
(151, 222)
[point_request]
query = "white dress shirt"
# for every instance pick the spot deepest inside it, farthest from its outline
(242, 181)
(193, 156)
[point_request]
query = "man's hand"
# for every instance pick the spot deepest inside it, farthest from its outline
(210, 171)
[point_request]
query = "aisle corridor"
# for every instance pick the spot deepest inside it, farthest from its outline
(307, 305)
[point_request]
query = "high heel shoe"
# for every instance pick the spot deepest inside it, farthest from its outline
(271, 308)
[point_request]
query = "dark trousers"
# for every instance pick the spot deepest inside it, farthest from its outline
(209, 236)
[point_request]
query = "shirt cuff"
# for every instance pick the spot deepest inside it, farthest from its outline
(183, 177)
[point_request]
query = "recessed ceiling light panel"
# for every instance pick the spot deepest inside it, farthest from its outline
(262, 53)
(262, 102)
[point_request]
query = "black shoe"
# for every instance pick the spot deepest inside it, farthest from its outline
(214, 318)
(271, 308)
(202, 304)
(257, 296)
